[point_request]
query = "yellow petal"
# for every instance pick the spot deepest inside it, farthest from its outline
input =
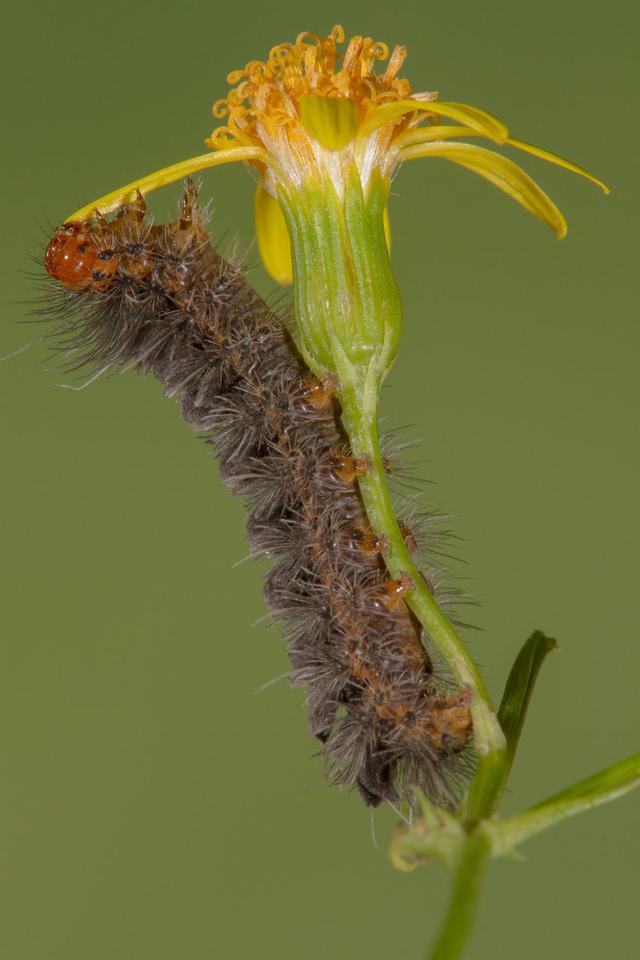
(115, 199)
(429, 134)
(386, 226)
(554, 158)
(486, 124)
(273, 237)
(500, 171)
(332, 121)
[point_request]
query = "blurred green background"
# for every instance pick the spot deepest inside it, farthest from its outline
(153, 807)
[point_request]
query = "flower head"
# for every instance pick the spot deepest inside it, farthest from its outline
(307, 105)
(312, 112)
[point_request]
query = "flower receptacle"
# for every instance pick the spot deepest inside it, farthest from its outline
(347, 303)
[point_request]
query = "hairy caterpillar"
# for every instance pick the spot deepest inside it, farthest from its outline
(161, 298)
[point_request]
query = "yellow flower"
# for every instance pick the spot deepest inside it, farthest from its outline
(311, 113)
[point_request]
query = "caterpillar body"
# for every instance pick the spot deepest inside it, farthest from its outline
(159, 297)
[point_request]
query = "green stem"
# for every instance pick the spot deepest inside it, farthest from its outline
(608, 784)
(349, 319)
(465, 893)
(482, 797)
(360, 419)
(500, 838)
(359, 415)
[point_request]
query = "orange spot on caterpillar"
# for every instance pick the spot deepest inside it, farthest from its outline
(319, 393)
(348, 469)
(450, 723)
(395, 591)
(365, 540)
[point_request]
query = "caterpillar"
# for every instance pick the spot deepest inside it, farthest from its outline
(161, 298)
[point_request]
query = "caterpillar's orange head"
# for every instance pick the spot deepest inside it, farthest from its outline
(71, 256)
(74, 260)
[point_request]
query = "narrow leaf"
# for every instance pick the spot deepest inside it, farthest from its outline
(519, 688)
(482, 798)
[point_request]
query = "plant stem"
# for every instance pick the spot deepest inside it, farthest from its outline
(360, 419)
(465, 892)
(500, 838)
(601, 787)
(349, 318)
(359, 400)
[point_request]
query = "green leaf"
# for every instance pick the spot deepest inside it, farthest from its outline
(518, 691)
(607, 784)
(482, 797)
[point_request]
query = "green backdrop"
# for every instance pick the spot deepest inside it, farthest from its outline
(153, 806)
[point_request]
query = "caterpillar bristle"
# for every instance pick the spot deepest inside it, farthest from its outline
(161, 299)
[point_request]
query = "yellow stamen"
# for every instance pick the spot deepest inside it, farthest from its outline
(309, 100)
(500, 171)
(177, 171)
(310, 84)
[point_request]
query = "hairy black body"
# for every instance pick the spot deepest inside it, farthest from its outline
(161, 299)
